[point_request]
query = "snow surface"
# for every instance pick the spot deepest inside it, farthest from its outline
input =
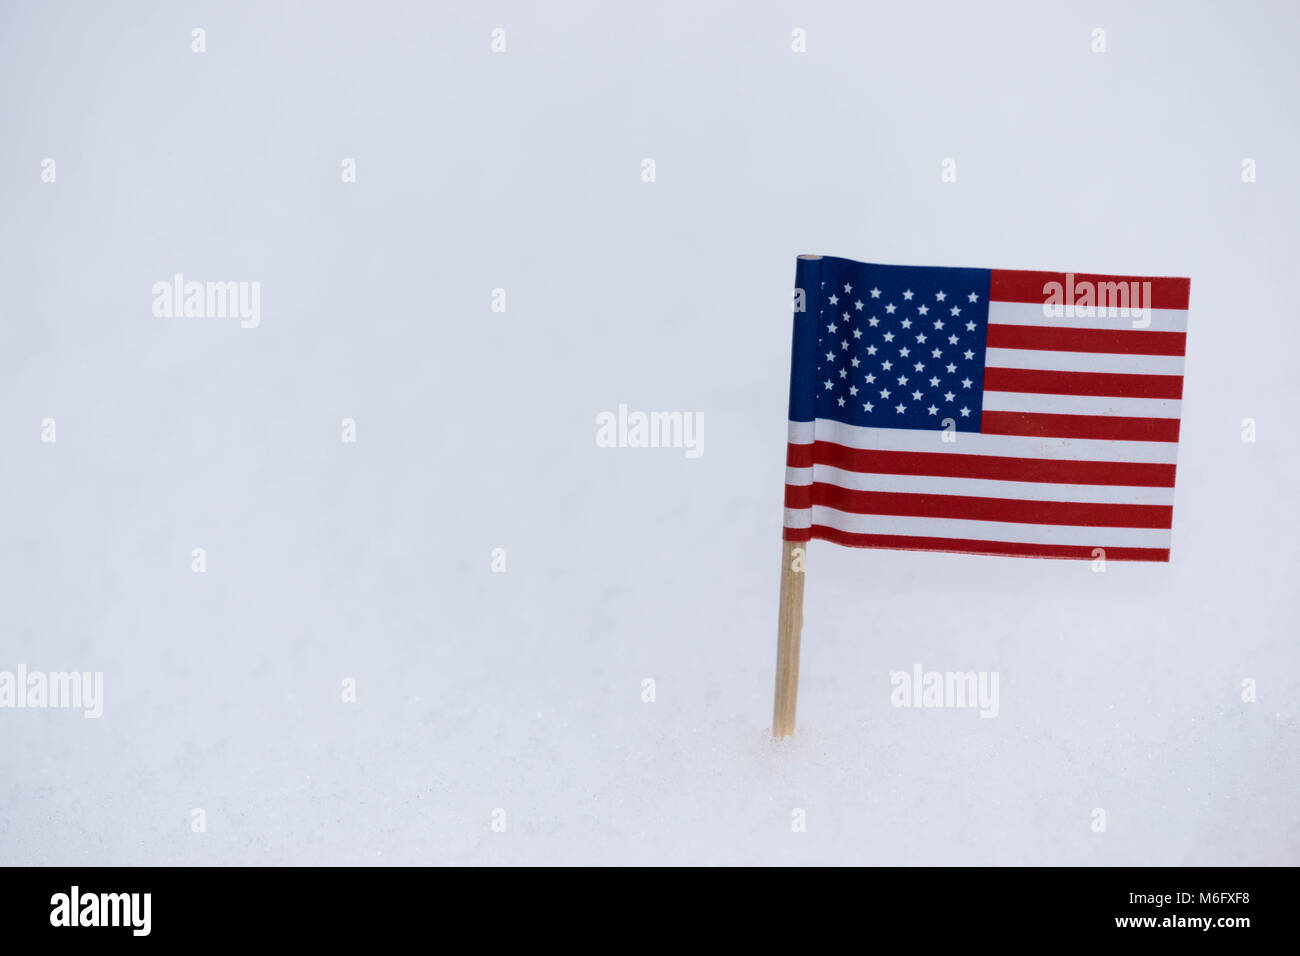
(372, 561)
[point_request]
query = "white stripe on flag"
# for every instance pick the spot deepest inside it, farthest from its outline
(798, 517)
(1031, 313)
(1084, 362)
(979, 487)
(973, 443)
(984, 530)
(1082, 405)
(800, 433)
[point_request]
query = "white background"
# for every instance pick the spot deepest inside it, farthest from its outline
(371, 561)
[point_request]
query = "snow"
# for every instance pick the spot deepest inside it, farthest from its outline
(371, 561)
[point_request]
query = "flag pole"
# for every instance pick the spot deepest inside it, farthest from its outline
(807, 298)
(788, 629)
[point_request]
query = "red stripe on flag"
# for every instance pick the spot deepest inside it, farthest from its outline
(999, 468)
(1014, 285)
(1112, 427)
(1123, 341)
(1004, 548)
(798, 496)
(798, 456)
(1111, 384)
(969, 508)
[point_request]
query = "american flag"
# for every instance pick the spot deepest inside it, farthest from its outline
(986, 411)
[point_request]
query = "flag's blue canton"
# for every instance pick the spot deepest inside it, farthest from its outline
(901, 346)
